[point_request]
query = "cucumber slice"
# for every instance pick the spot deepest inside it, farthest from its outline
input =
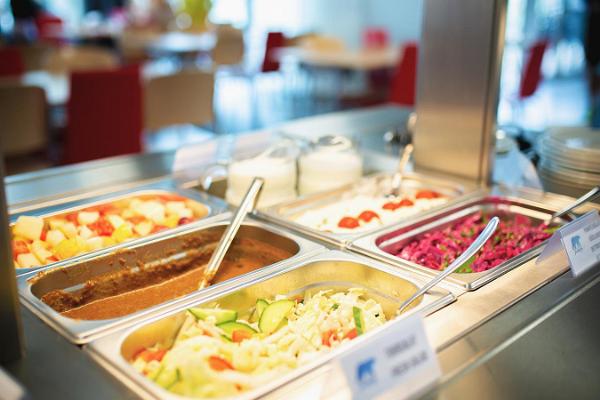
(261, 304)
(274, 314)
(221, 315)
(229, 327)
(359, 321)
(167, 377)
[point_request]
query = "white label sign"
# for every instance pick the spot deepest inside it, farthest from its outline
(580, 241)
(398, 363)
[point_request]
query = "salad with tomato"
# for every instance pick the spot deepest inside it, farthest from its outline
(363, 212)
(218, 354)
(38, 241)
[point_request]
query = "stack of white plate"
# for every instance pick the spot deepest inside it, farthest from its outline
(569, 160)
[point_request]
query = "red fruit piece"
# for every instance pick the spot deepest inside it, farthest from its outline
(19, 247)
(349, 223)
(368, 215)
(102, 227)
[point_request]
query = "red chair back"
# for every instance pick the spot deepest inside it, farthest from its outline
(11, 62)
(274, 40)
(375, 38)
(104, 114)
(404, 78)
(49, 28)
(532, 73)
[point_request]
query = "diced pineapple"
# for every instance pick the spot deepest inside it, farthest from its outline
(66, 249)
(174, 207)
(54, 237)
(69, 229)
(27, 260)
(122, 233)
(87, 217)
(84, 232)
(95, 243)
(171, 221)
(143, 228)
(56, 223)
(108, 241)
(29, 227)
(39, 250)
(115, 221)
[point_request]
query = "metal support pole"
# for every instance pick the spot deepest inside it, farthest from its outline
(457, 90)
(11, 337)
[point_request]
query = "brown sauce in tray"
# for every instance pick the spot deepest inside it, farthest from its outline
(132, 289)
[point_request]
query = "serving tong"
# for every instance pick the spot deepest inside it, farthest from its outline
(399, 174)
(589, 196)
(483, 237)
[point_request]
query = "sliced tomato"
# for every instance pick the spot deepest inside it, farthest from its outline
(239, 335)
(351, 334)
(72, 217)
(406, 203)
(219, 364)
(184, 220)
(136, 219)
(327, 336)
(19, 247)
(368, 215)
(102, 227)
(427, 194)
(349, 223)
(152, 355)
(390, 205)
(158, 228)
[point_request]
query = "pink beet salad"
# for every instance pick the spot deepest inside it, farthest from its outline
(437, 249)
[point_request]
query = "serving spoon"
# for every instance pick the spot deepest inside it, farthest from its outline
(248, 203)
(586, 197)
(483, 237)
(397, 178)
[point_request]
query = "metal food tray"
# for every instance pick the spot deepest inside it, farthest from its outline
(385, 283)
(400, 234)
(160, 250)
(216, 210)
(284, 213)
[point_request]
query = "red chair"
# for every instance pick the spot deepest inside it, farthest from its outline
(404, 78)
(49, 28)
(11, 62)
(275, 40)
(532, 73)
(104, 114)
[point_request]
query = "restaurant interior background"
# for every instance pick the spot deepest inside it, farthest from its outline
(255, 85)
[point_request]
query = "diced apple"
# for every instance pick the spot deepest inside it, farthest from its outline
(56, 223)
(39, 250)
(54, 237)
(152, 210)
(69, 230)
(174, 207)
(143, 228)
(95, 243)
(29, 227)
(198, 209)
(27, 260)
(115, 220)
(84, 232)
(87, 217)
(122, 233)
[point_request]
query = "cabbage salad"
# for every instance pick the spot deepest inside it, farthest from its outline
(216, 354)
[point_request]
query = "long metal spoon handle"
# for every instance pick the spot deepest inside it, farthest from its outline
(586, 197)
(483, 237)
(397, 179)
(247, 204)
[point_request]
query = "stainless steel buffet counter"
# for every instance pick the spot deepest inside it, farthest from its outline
(532, 332)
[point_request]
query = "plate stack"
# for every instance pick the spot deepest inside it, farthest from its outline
(569, 160)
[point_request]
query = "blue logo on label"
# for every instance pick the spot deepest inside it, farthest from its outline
(365, 372)
(576, 244)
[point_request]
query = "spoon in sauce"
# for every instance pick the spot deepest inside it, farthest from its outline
(248, 203)
(483, 237)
